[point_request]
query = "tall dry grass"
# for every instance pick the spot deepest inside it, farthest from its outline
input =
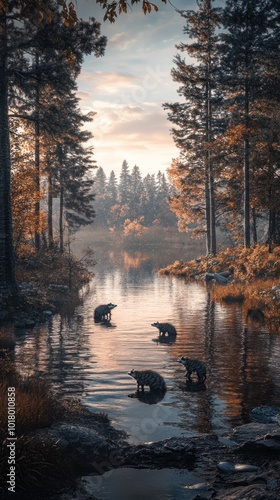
(260, 298)
(38, 463)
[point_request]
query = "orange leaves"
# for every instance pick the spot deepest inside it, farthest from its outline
(148, 6)
(235, 134)
(114, 8)
(134, 228)
(69, 14)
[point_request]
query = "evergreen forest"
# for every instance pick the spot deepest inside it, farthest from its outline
(133, 202)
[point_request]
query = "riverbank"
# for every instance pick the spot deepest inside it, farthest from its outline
(254, 280)
(58, 462)
(47, 280)
(54, 441)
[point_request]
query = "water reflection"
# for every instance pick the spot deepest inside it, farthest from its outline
(91, 360)
(148, 397)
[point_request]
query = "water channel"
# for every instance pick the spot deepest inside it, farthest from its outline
(91, 361)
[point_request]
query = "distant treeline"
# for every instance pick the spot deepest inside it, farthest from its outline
(133, 197)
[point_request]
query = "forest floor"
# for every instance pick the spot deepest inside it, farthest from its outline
(254, 280)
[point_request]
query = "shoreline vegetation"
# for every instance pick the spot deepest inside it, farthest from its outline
(254, 282)
(46, 280)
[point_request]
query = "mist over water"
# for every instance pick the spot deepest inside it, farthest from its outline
(91, 360)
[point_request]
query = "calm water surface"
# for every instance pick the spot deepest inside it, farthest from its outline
(91, 361)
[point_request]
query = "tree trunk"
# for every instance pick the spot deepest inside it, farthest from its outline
(209, 137)
(246, 194)
(207, 211)
(271, 229)
(61, 201)
(254, 226)
(37, 156)
(50, 212)
(8, 285)
(246, 149)
(276, 234)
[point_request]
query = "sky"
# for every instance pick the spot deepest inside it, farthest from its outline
(128, 85)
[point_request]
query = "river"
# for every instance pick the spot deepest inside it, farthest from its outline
(90, 360)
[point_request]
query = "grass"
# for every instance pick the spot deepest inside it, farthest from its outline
(36, 406)
(40, 464)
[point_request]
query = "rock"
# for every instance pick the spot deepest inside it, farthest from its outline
(257, 437)
(231, 467)
(28, 289)
(203, 490)
(227, 442)
(29, 323)
(47, 313)
(171, 452)
(252, 492)
(265, 414)
(220, 278)
(252, 432)
(226, 274)
(81, 445)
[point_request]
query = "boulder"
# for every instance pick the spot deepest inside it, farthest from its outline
(81, 445)
(170, 452)
(220, 278)
(252, 432)
(266, 414)
(252, 492)
(256, 437)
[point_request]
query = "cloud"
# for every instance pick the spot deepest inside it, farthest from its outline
(120, 41)
(106, 83)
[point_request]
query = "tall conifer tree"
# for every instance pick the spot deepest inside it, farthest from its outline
(197, 121)
(246, 41)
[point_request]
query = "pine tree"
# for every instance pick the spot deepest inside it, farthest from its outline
(198, 121)
(125, 184)
(99, 190)
(135, 193)
(149, 199)
(248, 25)
(164, 215)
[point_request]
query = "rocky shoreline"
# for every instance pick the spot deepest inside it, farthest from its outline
(243, 465)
